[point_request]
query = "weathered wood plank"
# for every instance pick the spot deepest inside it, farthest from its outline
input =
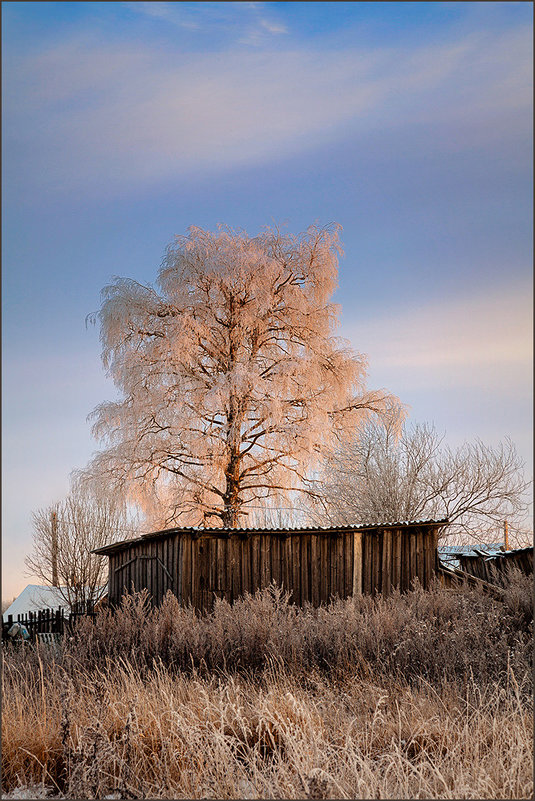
(364, 546)
(357, 563)
(412, 559)
(332, 564)
(405, 566)
(338, 551)
(234, 545)
(314, 571)
(221, 567)
(376, 541)
(296, 568)
(430, 559)
(398, 556)
(263, 561)
(386, 563)
(288, 565)
(274, 560)
(371, 556)
(305, 566)
(156, 572)
(212, 571)
(256, 576)
(344, 586)
(186, 578)
(165, 582)
(348, 564)
(285, 562)
(325, 569)
(178, 557)
(420, 570)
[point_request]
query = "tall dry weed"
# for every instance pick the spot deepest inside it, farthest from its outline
(431, 634)
(273, 736)
(426, 695)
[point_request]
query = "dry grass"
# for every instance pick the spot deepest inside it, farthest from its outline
(91, 726)
(226, 737)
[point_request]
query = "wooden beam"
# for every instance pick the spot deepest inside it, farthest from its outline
(125, 564)
(357, 563)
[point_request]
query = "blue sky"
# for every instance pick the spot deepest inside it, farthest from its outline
(408, 123)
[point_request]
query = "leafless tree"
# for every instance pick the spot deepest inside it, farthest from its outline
(232, 381)
(380, 477)
(64, 535)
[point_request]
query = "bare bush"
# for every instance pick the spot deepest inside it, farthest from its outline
(379, 476)
(64, 536)
(429, 635)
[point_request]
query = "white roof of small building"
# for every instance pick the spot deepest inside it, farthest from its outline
(35, 597)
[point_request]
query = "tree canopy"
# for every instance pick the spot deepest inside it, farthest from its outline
(232, 381)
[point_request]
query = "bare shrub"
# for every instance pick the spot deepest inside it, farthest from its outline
(431, 634)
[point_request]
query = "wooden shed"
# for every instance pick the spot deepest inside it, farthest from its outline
(315, 564)
(495, 567)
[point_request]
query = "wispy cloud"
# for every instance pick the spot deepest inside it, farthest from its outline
(273, 27)
(477, 341)
(156, 9)
(84, 112)
(242, 22)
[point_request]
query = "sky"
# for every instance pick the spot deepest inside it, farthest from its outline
(123, 123)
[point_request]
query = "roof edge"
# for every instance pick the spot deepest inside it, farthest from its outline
(219, 531)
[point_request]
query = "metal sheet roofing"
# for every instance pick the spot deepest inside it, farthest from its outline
(486, 549)
(449, 554)
(116, 546)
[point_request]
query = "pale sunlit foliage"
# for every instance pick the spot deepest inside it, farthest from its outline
(232, 381)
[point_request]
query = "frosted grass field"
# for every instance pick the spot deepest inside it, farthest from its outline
(263, 700)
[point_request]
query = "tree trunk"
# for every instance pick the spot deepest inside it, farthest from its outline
(231, 499)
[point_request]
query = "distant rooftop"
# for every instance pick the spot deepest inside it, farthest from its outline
(449, 554)
(34, 597)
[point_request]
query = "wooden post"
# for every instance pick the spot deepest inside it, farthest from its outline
(357, 563)
(54, 548)
(506, 535)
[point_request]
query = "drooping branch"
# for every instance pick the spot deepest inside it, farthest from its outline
(230, 374)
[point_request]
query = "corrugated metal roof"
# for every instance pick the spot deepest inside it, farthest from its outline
(487, 549)
(449, 554)
(117, 546)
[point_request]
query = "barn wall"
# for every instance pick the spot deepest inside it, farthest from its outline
(314, 566)
(392, 558)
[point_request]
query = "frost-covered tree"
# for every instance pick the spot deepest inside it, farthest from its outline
(380, 476)
(232, 381)
(64, 534)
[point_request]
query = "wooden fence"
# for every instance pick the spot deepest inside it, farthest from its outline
(46, 621)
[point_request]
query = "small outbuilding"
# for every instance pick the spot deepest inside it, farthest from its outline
(314, 564)
(488, 562)
(33, 598)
